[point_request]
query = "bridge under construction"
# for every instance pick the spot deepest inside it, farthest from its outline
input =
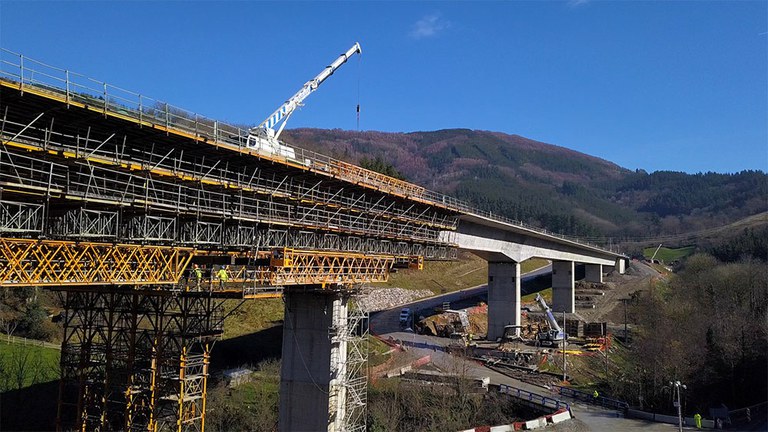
(145, 218)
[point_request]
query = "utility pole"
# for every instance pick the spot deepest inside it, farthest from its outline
(677, 385)
(565, 345)
(626, 337)
(605, 348)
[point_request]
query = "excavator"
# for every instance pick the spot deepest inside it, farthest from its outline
(264, 137)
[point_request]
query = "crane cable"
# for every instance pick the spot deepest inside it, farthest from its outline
(359, 73)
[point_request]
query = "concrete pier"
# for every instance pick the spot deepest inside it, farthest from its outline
(621, 265)
(563, 287)
(503, 297)
(593, 273)
(310, 395)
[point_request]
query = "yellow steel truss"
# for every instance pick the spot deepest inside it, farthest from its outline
(28, 262)
(301, 267)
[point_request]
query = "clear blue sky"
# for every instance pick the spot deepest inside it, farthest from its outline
(653, 85)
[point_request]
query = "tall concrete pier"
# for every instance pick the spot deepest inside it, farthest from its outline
(563, 286)
(322, 384)
(503, 297)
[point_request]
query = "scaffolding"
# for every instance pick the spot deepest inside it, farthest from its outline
(348, 386)
(136, 360)
(52, 263)
(230, 202)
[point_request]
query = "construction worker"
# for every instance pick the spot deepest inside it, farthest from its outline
(223, 276)
(197, 275)
(595, 395)
(697, 420)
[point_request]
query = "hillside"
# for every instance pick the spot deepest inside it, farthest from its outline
(548, 185)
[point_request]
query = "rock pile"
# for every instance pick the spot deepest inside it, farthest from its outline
(387, 298)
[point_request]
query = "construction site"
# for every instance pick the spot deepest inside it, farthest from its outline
(144, 218)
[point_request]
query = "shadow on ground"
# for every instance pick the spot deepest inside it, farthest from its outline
(30, 409)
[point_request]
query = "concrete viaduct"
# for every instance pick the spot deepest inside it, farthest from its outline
(505, 244)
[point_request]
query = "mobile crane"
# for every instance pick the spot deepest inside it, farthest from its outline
(555, 335)
(264, 137)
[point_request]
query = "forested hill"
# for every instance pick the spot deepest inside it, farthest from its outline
(548, 185)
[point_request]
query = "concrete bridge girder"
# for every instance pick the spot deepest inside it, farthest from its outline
(493, 249)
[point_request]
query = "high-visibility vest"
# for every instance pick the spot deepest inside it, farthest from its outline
(222, 274)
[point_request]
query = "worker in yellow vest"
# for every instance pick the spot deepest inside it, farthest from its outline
(697, 420)
(223, 276)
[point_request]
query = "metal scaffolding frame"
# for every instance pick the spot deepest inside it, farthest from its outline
(136, 360)
(69, 182)
(348, 387)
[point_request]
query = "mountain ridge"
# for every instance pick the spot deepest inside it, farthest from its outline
(548, 185)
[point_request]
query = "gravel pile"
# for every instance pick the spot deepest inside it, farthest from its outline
(387, 298)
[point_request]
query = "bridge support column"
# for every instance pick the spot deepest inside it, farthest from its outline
(593, 273)
(503, 297)
(312, 397)
(620, 266)
(563, 287)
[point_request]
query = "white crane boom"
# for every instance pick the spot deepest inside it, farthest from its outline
(266, 129)
(550, 318)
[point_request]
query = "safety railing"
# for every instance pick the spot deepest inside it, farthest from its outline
(180, 167)
(590, 397)
(72, 87)
(536, 398)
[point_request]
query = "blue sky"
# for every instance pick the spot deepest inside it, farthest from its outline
(654, 85)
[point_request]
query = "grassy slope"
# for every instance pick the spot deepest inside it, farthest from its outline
(40, 364)
(468, 271)
(668, 255)
(252, 316)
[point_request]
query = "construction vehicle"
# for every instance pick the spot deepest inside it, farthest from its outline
(462, 330)
(555, 336)
(264, 137)
(463, 320)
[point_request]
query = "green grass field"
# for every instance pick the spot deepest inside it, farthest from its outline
(667, 255)
(252, 316)
(24, 365)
